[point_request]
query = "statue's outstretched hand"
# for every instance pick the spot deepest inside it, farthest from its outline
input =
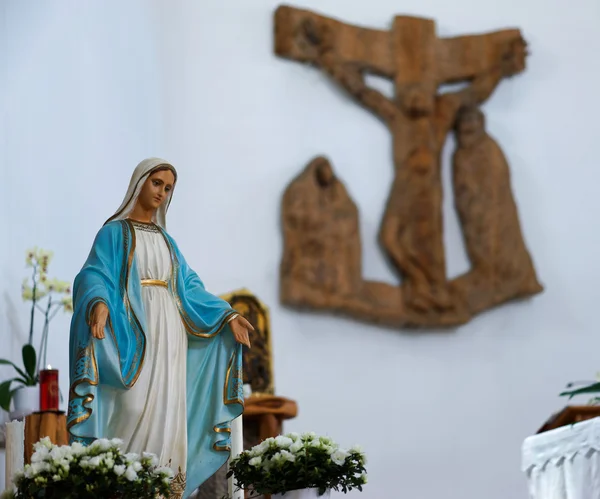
(241, 328)
(98, 320)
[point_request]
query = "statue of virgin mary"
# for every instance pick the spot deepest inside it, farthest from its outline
(155, 359)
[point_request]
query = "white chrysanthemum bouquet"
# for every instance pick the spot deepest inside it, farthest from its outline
(292, 462)
(100, 470)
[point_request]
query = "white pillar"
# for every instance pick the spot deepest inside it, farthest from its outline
(237, 447)
(15, 450)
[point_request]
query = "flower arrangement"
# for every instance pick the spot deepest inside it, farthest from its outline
(47, 296)
(99, 470)
(291, 462)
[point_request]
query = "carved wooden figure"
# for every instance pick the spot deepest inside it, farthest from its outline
(321, 263)
(322, 242)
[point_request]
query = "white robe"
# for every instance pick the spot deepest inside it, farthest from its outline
(151, 416)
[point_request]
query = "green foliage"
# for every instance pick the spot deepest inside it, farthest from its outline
(572, 392)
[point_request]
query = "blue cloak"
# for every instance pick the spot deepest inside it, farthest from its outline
(214, 388)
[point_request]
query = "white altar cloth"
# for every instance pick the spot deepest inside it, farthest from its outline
(564, 463)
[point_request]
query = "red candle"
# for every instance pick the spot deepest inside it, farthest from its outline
(49, 392)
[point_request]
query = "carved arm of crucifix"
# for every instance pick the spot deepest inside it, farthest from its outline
(352, 80)
(349, 76)
(479, 90)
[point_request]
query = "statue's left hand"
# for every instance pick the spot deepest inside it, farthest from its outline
(241, 328)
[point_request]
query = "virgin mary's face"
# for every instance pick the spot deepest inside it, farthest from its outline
(156, 189)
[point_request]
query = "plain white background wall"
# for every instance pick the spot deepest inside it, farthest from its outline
(90, 88)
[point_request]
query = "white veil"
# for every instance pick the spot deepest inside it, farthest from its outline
(142, 171)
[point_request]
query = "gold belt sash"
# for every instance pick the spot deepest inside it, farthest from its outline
(155, 282)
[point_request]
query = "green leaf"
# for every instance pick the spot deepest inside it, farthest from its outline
(20, 371)
(593, 388)
(6, 394)
(4, 362)
(29, 360)
(23, 374)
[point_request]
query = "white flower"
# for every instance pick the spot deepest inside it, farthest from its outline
(109, 463)
(29, 258)
(326, 441)
(42, 254)
(357, 449)
(102, 444)
(137, 466)
(288, 456)
(132, 457)
(283, 442)
(77, 449)
(294, 436)
(327, 448)
(119, 469)
(116, 442)
(39, 294)
(42, 258)
(297, 446)
(44, 442)
(151, 458)
(56, 478)
(130, 474)
(59, 453)
(261, 448)
(32, 255)
(339, 457)
(363, 478)
(40, 454)
(255, 461)
(309, 435)
(95, 462)
(40, 467)
(165, 471)
(67, 303)
(61, 286)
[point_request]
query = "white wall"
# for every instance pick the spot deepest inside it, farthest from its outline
(93, 87)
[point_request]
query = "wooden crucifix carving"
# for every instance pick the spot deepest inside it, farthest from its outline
(321, 262)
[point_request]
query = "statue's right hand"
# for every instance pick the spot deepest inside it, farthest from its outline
(98, 320)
